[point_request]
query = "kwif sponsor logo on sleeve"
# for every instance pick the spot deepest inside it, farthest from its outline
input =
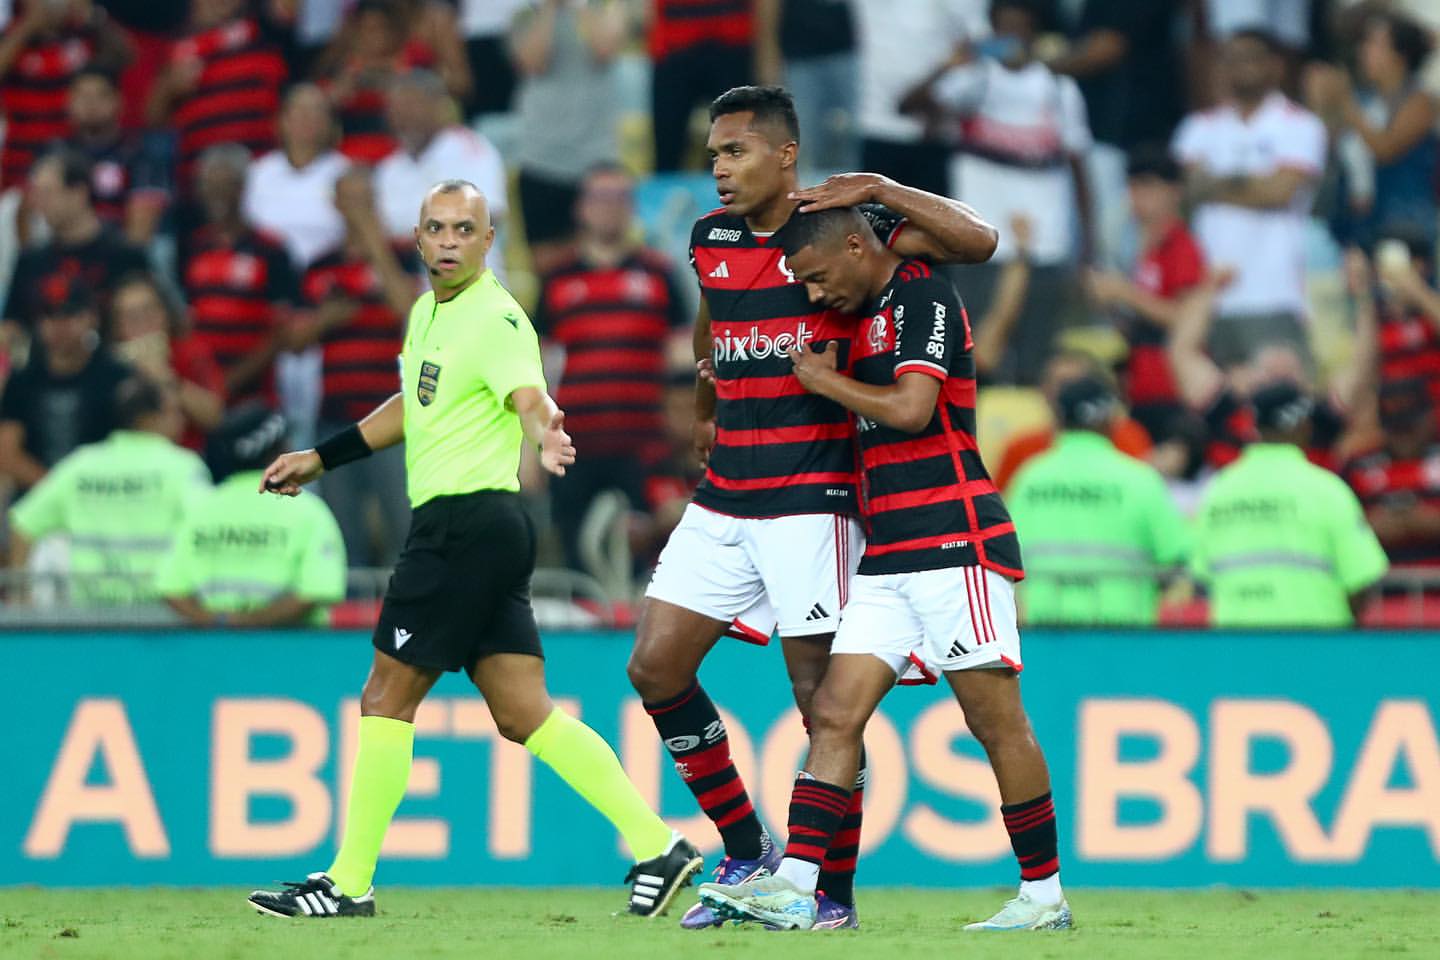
(755, 345)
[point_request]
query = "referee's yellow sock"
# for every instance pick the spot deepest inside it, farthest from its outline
(585, 761)
(382, 770)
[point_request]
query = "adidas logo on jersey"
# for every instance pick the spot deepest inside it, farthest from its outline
(817, 612)
(721, 272)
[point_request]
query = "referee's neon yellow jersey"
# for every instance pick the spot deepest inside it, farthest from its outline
(1283, 543)
(462, 360)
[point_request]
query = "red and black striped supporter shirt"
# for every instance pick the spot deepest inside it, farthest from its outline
(1410, 349)
(35, 94)
(238, 294)
(237, 96)
(682, 24)
(613, 323)
(1381, 480)
(929, 502)
(359, 368)
(779, 450)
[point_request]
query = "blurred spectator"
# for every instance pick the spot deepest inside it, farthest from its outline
(1022, 141)
(41, 51)
(289, 192)
(809, 46)
(239, 282)
(383, 35)
(1392, 123)
(1251, 167)
(615, 309)
(1399, 482)
(1408, 308)
(118, 501)
(148, 330)
(699, 50)
(568, 104)
(669, 481)
(901, 42)
(1063, 368)
(1288, 21)
(433, 148)
(222, 83)
(1147, 302)
(1098, 527)
(435, 28)
(65, 395)
(359, 296)
(1219, 394)
(1128, 64)
(80, 245)
(378, 53)
(1279, 541)
(130, 186)
(486, 25)
(246, 561)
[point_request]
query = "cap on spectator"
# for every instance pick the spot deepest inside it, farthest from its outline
(62, 295)
(1087, 404)
(1403, 403)
(248, 439)
(1153, 160)
(1281, 405)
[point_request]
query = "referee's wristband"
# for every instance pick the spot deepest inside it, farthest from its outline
(345, 447)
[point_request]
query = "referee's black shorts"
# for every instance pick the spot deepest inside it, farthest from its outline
(461, 589)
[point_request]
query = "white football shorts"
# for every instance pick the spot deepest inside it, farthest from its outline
(760, 573)
(931, 622)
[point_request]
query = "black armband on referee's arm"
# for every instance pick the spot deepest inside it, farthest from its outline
(346, 446)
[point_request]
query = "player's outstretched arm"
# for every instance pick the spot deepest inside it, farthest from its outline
(544, 426)
(384, 427)
(937, 228)
(908, 404)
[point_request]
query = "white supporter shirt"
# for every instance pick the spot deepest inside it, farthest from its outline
(455, 153)
(1265, 248)
(297, 206)
(1018, 129)
(901, 42)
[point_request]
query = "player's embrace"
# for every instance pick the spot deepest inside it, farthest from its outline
(934, 592)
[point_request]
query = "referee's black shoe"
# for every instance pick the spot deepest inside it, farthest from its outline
(315, 897)
(654, 883)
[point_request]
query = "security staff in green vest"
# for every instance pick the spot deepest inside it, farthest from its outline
(247, 561)
(1279, 541)
(1098, 528)
(118, 501)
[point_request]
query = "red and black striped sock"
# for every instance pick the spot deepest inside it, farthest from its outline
(1032, 835)
(692, 731)
(837, 873)
(816, 811)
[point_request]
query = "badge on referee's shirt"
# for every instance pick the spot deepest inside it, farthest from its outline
(429, 382)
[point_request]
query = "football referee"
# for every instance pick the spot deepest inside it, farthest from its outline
(471, 392)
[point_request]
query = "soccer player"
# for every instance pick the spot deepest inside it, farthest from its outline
(771, 536)
(472, 392)
(934, 594)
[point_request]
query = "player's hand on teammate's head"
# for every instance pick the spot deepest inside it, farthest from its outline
(840, 190)
(556, 449)
(290, 472)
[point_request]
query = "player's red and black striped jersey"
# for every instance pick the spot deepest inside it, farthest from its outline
(929, 502)
(1380, 480)
(237, 96)
(237, 294)
(35, 94)
(613, 323)
(1410, 349)
(359, 365)
(779, 450)
(682, 24)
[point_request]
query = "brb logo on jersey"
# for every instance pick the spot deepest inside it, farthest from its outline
(755, 345)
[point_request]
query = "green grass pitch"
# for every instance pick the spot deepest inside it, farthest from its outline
(157, 924)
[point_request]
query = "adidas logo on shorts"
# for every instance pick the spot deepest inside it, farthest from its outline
(817, 612)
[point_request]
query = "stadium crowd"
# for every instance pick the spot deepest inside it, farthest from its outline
(208, 205)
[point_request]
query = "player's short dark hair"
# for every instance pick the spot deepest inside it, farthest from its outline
(1408, 37)
(1153, 160)
(137, 398)
(76, 169)
(1264, 36)
(769, 104)
(822, 227)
